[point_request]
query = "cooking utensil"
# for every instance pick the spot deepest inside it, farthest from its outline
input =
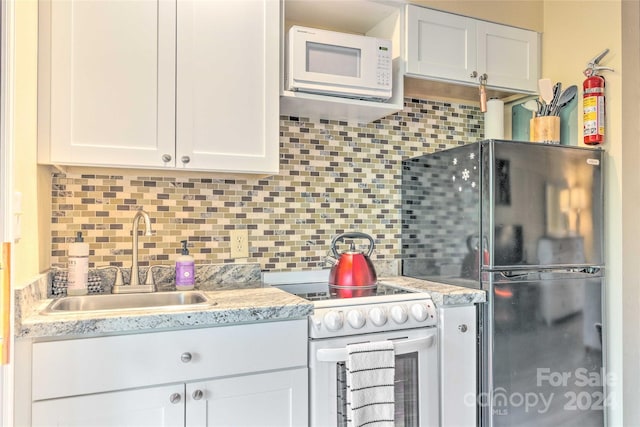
(352, 268)
(531, 105)
(566, 97)
(546, 92)
(541, 107)
(557, 89)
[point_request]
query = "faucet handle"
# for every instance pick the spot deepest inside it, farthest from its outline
(119, 280)
(149, 279)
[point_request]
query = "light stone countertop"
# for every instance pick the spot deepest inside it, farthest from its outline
(232, 306)
(441, 293)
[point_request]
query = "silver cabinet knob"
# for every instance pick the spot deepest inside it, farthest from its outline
(185, 159)
(166, 158)
(186, 357)
(175, 398)
(197, 395)
(463, 328)
(473, 75)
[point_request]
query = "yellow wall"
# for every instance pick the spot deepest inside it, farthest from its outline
(26, 250)
(630, 152)
(518, 13)
(571, 38)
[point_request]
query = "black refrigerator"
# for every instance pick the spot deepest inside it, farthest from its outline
(523, 221)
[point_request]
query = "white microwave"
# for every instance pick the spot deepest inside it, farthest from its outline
(338, 64)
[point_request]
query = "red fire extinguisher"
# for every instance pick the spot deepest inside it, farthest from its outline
(593, 102)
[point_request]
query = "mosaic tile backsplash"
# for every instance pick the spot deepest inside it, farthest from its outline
(334, 177)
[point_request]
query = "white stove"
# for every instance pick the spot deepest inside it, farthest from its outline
(389, 308)
(391, 313)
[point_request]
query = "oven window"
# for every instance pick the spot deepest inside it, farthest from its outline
(406, 391)
(335, 60)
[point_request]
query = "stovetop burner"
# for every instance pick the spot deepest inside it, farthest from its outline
(321, 292)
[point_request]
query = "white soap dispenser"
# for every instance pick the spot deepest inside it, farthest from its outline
(185, 269)
(78, 266)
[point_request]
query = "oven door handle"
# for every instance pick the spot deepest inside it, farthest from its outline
(335, 355)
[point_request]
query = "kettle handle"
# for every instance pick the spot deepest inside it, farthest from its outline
(353, 235)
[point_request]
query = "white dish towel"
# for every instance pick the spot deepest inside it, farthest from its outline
(370, 378)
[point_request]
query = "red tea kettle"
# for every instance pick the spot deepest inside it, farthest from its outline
(352, 268)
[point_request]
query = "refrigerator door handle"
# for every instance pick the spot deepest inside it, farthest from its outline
(580, 271)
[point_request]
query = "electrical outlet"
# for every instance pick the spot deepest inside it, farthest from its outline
(239, 243)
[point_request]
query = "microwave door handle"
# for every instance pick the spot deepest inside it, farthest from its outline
(335, 355)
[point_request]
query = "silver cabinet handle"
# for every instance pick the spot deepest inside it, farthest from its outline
(175, 398)
(185, 159)
(186, 357)
(166, 158)
(473, 75)
(463, 328)
(197, 395)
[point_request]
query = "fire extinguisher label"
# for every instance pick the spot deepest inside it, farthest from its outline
(601, 115)
(594, 90)
(590, 116)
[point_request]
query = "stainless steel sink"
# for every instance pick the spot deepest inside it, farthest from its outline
(158, 301)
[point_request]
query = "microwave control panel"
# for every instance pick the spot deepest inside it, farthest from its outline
(383, 73)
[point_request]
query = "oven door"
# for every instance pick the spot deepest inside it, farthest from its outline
(416, 378)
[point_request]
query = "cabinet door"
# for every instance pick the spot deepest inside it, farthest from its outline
(276, 399)
(440, 45)
(458, 334)
(509, 56)
(107, 82)
(153, 407)
(227, 85)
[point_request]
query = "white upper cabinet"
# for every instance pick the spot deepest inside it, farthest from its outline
(227, 116)
(189, 84)
(106, 82)
(440, 45)
(509, 56)
(448, 47)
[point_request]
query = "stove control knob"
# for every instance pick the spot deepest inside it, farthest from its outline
(399, 314)
(419, 312)
(356, 319)
(378, 316)
(333, 320)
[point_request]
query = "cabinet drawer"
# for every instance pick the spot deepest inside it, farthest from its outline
(91, 365)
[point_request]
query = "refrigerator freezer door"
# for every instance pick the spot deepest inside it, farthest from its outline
(541, 204)
(545, 367)
(495, 204)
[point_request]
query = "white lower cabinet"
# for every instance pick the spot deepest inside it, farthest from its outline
(131, 408)
(276, 399)
(240, 375)
(458, 364)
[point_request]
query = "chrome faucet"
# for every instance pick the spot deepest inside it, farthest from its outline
(134, 281)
